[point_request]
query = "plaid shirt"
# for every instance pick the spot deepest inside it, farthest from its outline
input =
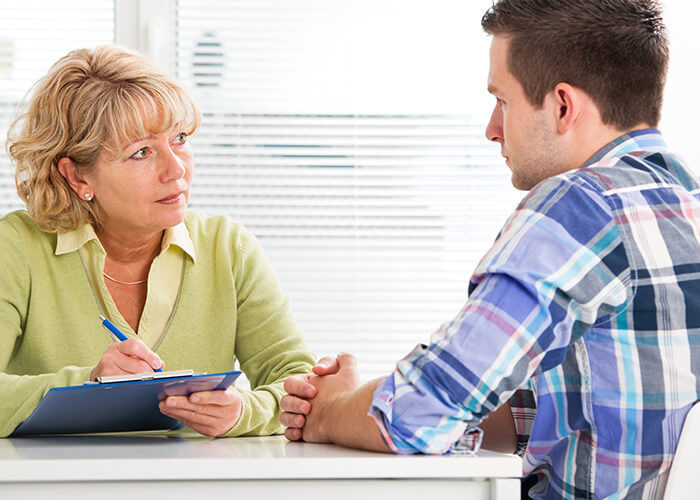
(585, 314)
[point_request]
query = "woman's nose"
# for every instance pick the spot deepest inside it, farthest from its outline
(173, 166)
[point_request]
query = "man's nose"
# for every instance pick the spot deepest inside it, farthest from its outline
(494, 130)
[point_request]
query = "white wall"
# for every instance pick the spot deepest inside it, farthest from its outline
(679, 121)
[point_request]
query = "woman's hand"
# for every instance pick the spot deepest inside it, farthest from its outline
(130, 356)
(211, 413)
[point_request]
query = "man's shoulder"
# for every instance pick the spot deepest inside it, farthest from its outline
(570, 191)
(640, 168)
(596, 182)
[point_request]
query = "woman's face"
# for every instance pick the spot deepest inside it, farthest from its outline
(147, 188)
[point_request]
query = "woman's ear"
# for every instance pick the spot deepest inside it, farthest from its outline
(76, 181)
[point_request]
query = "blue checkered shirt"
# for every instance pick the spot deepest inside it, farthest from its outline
(585, 315)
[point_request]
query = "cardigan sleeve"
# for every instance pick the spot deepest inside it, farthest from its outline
(269, 344)
(21, 393)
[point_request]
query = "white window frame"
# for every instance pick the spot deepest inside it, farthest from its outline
(148, 26)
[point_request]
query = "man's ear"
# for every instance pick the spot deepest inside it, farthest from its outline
(567, 106)
(76, 181)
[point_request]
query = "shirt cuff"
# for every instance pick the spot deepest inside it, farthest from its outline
(381, 406)
(416, 431)
(234, 431)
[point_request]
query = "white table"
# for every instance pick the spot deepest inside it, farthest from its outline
(153, 466)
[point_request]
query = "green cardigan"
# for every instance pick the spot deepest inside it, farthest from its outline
(231, 307)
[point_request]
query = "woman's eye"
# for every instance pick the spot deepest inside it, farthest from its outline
(140, 154)
(181, 138)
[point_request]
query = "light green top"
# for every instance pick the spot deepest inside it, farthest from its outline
(164, 278)
(230, 306)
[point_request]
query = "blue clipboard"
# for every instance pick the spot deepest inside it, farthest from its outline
(117, 406)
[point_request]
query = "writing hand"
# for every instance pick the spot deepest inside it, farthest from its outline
(129, 356)
(211, 413)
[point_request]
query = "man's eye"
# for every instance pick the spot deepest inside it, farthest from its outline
(181, 138)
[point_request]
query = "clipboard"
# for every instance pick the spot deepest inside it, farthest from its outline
(118, 403)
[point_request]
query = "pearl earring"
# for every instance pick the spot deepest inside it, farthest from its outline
(87, 197)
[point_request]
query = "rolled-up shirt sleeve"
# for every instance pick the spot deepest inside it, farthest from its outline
(435, 432)
(533, 294)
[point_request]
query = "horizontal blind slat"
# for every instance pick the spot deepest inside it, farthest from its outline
(372, 194)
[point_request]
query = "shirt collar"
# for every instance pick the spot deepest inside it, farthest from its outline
(644, 140)
(71, 241)
(180, 236)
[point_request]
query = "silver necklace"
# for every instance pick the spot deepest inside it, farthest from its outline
(123, 282)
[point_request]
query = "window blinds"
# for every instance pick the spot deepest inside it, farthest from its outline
(349, 137)
(347, 134)
(33, 35)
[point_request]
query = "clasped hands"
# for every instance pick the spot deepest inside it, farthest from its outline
(211, 413)
(311, 399)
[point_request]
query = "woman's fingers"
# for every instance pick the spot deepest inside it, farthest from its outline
(212, 413)
(129, 356)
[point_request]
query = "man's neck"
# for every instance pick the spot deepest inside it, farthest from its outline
(591, 141)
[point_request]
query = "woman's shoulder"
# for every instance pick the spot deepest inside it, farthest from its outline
(197, 221)
(16, 217)
(19, 234)
(217, 228)
(19, 222)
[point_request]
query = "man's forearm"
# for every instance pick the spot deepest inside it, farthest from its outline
(499, 431)
(348, 424)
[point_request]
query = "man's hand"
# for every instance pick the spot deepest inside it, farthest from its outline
(212, 413)
(330, 390)
(130, 356)
(334, 378)
(333, 407)
(296, 403)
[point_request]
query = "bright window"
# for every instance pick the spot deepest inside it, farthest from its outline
(348, 135)
(33, 35)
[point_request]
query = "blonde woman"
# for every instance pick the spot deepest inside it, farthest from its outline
(104, 165)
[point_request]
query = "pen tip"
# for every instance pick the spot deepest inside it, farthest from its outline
(102, 317)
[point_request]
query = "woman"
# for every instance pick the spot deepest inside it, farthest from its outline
(105, 167)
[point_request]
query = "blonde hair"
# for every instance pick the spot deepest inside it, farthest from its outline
(91, 101)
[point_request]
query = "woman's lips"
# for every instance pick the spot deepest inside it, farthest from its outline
(169, 200)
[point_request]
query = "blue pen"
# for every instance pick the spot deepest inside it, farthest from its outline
(118, 333)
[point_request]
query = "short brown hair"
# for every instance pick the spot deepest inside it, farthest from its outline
(89, 102)
(614, 50)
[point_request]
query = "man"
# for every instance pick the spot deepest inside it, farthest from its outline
(579, 344)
